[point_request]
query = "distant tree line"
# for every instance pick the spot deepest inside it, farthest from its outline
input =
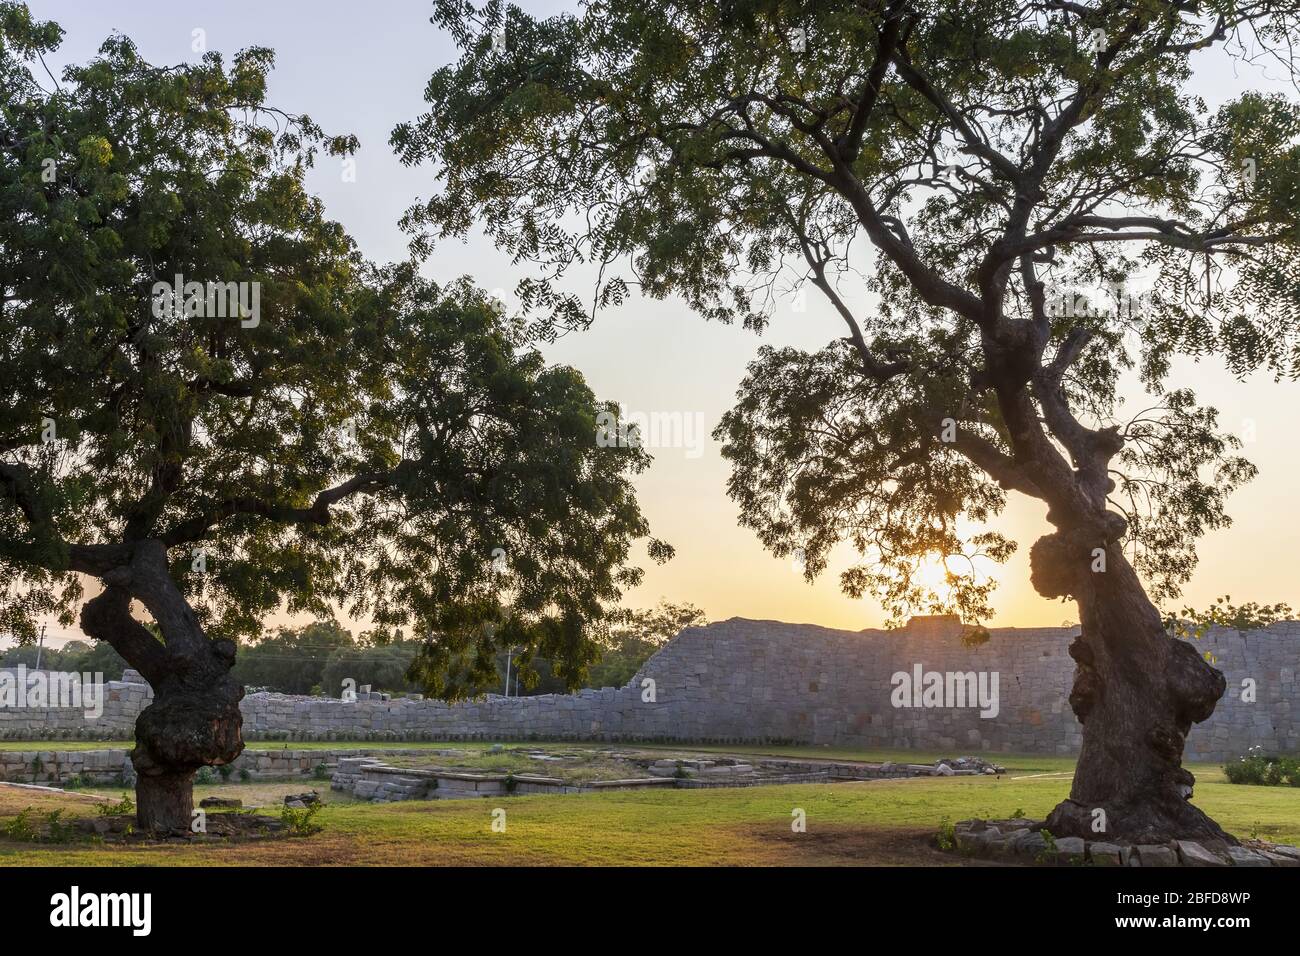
(79, 657)
(633, 637)
(317, 658)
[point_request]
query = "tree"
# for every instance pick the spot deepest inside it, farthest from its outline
(73, 657)
(1014, 168)
(628, 641)
(381, 668)
(283, 426)
(635, 636)
(292, 661)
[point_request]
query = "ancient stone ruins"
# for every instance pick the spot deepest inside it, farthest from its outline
(742, 681)
(1025, 841)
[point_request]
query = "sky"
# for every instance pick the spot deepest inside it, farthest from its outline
(362, 67)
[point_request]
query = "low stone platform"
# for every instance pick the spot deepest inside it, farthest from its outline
(371, 778)
(113, 767)
(1026, 842)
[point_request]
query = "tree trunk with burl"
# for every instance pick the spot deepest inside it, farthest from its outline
(1137, 691)
(194, 720)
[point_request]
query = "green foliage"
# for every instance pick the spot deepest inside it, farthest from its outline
(383, 667)
(51, 829)
(1256, 768)
(630, 638)
(121, 808)
(1192, 624)
(56, 831)
(996, 163)
(946, 837)
(74, 657)
(301, 822)
(321, 771)
(316, 659)
(373, 441)
(635, 636)
(21, 828)
(1048, 853)
(292, 660)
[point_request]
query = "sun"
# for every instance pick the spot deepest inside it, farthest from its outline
(932, 574)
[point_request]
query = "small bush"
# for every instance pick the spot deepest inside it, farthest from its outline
(947, 836)
(1258, 769)
(59, 832)
(321, 771)
(123, 806)
(1048, 853)
(20, 827)
(301, 822)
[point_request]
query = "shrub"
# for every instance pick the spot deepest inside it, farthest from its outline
(1259, 769)
(1048, 853)
(123, 806)
(947, 836)
(59, 832)
(20, 827)
(301, 822)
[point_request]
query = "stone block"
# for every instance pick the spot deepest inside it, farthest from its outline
(1193, 854)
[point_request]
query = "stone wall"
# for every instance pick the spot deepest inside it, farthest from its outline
(122, 702)
(108, 767)
(769, 682)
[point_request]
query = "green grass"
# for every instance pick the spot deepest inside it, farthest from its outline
(878, 822)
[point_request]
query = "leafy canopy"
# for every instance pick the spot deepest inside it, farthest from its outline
(369, 439)
(1010, 204)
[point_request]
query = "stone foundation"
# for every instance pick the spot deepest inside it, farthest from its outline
(764, 682)
(113, 767)
(369, 778)
(1025, 841)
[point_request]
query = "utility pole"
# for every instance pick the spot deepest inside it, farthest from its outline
(509, 651)
(40, 647)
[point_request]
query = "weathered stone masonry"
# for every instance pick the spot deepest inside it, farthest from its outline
(765, 681)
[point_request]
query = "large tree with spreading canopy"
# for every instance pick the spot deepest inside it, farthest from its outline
(353, 435)
(1010, 204)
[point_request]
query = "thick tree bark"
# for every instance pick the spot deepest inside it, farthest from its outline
(165, 802)
(194, 719)
(1137, 692)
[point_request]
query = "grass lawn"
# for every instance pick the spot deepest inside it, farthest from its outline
(886, 822)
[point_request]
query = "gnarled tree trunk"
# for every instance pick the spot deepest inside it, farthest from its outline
(1136, 691)
(194, 719)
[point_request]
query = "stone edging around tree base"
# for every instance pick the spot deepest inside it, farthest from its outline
(1025, 841)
